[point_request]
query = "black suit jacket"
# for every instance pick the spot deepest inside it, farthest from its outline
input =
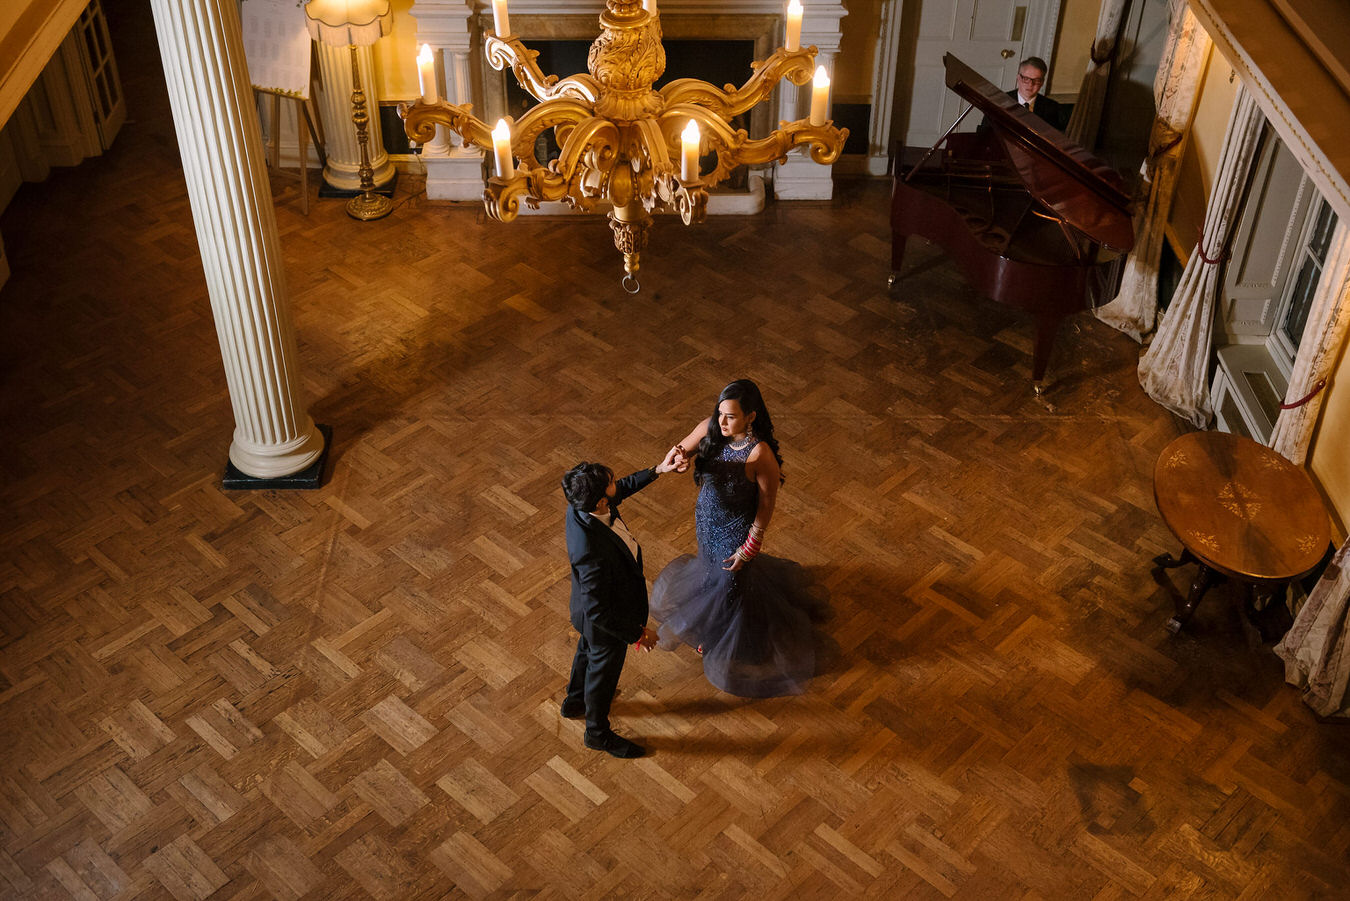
(609, 592)
(1050, 111)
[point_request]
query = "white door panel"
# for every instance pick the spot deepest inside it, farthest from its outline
(991, 36)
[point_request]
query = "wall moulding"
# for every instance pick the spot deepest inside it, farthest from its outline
(1306, 106)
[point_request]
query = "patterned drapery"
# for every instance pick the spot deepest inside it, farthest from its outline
(1175, 369)
(1328, 324)
(1135, 308)
(1087, 109)
(1316, 651)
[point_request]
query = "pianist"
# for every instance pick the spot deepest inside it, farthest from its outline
(1031, 74)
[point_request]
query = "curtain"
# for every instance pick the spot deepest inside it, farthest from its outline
(1175, 369)
(1328, 323)
(1134, 309)
(1087, 109)
(1316, 651)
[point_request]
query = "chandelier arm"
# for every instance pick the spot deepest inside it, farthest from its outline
(520, 59)
(826, 143)
(794, 65)
(656, 145)
(420, 121)
(558, 113)
(593, 145)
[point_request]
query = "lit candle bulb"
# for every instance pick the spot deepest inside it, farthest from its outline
(820, 96)
(794, 25)
(426, 74)
(500, 20)
(501, 148)
(689, 146)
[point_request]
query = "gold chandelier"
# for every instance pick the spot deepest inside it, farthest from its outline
(622, 140)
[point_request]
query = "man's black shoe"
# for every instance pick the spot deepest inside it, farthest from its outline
(615, 745)
(573, 711)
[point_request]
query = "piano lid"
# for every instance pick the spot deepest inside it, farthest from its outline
(1084, 191)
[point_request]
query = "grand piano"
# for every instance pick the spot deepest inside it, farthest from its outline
(1031, 218)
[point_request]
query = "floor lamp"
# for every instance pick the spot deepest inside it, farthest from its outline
(355, 23)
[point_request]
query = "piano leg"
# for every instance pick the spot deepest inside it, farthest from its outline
(1047, 326)
(897, 258)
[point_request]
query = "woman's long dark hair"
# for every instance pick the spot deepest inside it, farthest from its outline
(746, 393)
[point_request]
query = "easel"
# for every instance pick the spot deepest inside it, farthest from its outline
(302, 116)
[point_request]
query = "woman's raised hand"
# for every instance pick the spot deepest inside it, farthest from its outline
(675, 461)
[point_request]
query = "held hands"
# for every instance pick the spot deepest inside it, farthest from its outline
(648, 639)
(677, 460)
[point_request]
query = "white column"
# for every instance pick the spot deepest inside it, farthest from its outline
(800, 178)
(335, 106)
(453, 173)
(218, 137)
(883, 88)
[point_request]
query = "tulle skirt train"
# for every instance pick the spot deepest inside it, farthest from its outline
(755, 625)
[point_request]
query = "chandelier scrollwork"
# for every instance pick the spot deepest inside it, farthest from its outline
(622, 140)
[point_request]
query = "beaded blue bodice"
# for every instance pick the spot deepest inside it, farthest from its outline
(726, 504)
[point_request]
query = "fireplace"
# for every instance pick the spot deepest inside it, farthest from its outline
(714, 40)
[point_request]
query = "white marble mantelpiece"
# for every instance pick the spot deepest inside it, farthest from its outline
(454, 29)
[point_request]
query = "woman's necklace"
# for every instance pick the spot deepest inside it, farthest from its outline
(744, 443)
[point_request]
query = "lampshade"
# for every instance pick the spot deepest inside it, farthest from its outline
(343, 23)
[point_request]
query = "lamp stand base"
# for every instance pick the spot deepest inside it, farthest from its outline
(369, 206)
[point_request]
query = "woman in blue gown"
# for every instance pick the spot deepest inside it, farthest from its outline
(748, 613)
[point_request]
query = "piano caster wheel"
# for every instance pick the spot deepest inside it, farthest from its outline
(1174, 626)
(1038, 388)
(890, 281)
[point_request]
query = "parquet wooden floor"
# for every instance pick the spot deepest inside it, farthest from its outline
(352, 692)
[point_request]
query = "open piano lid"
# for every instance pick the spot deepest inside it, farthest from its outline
(1085, 192)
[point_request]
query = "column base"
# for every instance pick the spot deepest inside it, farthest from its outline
(328, 191)
(454, 176)
(801, 178)
(306, 479)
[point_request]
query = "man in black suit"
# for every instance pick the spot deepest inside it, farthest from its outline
(1031, 74)
(609, 595)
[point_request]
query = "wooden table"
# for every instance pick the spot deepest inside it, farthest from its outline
(1240, 510)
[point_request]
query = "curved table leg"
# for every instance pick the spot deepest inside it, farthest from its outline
(1266, 610)
(1167, 561)
(1204, 577)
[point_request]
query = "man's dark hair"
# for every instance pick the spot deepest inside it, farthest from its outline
(585, 484)
(1036, 62)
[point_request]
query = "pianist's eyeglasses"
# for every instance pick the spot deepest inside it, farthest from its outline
(1021, 77)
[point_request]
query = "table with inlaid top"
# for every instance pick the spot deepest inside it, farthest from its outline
(1240, 510)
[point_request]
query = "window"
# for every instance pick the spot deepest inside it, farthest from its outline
(1298, 295)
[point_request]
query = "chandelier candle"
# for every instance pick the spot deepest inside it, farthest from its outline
(501, 148)
(426, 74)
(500, 20)
(820, 96)
(689, 141)
(794, 25)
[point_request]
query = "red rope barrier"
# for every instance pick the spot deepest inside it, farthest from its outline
(1321, 383)
(1200, 249)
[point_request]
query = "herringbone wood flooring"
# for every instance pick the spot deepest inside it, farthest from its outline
(353, 692)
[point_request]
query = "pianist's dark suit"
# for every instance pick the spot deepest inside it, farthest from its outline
(1050, 111)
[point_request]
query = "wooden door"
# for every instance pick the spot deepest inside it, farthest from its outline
(991, 36)
(100, 70)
